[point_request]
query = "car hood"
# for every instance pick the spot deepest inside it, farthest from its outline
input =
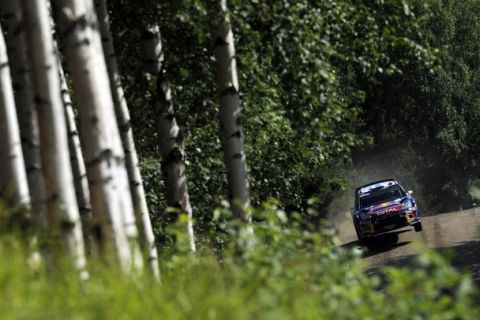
(389, 206)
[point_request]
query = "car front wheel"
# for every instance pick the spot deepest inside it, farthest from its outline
(417, 227)
(357, 229)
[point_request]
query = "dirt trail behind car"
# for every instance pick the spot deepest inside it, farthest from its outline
(458, 231)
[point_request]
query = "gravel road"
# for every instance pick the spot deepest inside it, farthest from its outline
(457, 231)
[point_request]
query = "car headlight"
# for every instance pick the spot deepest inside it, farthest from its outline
(408, 204)
(364, 216)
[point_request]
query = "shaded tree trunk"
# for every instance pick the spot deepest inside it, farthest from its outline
(13, 178)
(12, 14)
(231, 115)
(126, 133)
(61, 201)
(104, 155)
(170, 135)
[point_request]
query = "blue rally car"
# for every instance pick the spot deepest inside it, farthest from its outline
(383, 206)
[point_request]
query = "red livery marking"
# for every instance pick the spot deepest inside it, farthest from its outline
(396, 208)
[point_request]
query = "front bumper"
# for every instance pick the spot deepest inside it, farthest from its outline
(388, 222)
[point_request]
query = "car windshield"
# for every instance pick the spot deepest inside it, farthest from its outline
(381, 196)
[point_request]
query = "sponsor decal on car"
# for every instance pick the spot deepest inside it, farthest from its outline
(367, 189)
(396, 208)
(409, 216)
(383, 205)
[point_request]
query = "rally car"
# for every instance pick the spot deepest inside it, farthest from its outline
(383, 206)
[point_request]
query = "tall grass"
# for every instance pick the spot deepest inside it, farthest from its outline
(285, 273)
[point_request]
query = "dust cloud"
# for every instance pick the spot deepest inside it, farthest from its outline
(373, 165)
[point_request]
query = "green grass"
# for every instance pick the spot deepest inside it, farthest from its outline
(285, 273)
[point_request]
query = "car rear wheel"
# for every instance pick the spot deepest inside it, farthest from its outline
(417, 227)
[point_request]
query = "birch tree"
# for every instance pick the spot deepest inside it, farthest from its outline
(13, 178)
(77, 162)
(78, 165)
(126, 133)
(231, 128)
(104, 155)
(57, 170)
(15, 38)
(169, 133)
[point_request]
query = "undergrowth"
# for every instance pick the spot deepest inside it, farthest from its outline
(278, 268)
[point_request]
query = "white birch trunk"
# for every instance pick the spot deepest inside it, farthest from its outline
(105, 158)
(78, 165)
(13, 178)
(77, 162)
(231, 115)
(61, 201)
(170, 136)
(20, 64)
(126, 133)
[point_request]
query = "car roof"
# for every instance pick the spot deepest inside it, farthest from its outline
(380, 183)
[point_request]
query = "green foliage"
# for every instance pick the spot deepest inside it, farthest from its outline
(300, 64)
(283, 272)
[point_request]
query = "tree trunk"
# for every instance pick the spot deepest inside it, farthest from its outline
(170, 136)
(126, 133)
(230, 115)
(105, 158)
(79, 171)
(13, 178)
(78, 166)
(61, 201)
(27, 114)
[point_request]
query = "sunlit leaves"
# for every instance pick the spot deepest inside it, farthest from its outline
(301, 65)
